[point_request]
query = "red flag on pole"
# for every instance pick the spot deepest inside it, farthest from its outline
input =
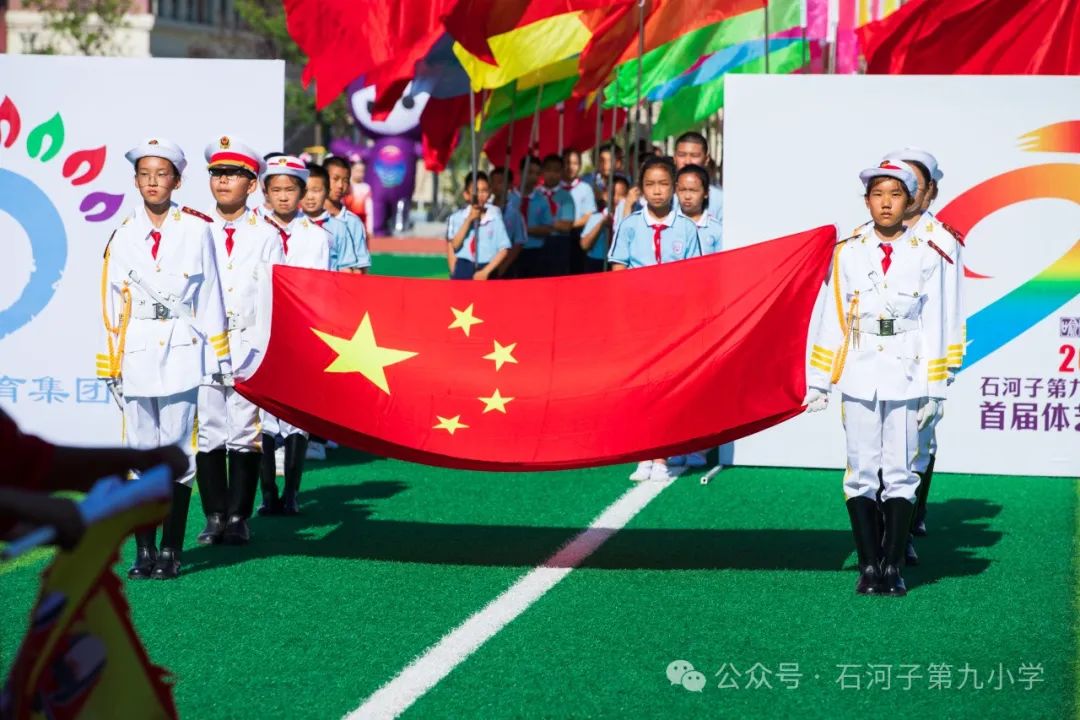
(505, 376)
(379, 39)
(579, 133)
(976, 37)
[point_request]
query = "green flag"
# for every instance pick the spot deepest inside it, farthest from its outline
(688, 108)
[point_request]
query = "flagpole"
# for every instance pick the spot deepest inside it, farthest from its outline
(766, 37)
(599, 133)
(508, 160)
(475, 155)
(637, 106)
(611, 173)
(533, 137)
(561, 108)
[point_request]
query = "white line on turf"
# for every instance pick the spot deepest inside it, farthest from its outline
(438, 661)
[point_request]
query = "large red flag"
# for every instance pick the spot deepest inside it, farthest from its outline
(551, 373)
(380, 40)
(976, 37)
(579, 133)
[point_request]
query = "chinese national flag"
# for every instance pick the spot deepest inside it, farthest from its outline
(550, 373)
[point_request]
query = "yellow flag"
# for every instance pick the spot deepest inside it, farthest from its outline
(526, 50)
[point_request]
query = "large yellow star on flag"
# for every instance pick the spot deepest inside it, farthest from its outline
(361, 354)
(495, 402)
(464, 319)
(450, 425)
(502, 355)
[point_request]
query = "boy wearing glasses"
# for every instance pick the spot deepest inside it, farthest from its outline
(166, 331)
(245, 247)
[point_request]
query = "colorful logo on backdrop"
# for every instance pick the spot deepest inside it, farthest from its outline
(1041, 296)
(32, 208)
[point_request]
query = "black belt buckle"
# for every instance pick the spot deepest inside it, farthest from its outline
(161, 312)
(886, 327)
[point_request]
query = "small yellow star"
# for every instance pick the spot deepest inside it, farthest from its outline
(450, 424)
(464, 319)
(502, 355)
(495, 402)
(361, 354)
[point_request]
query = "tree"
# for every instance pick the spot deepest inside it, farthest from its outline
(88, 27)
(265, 19)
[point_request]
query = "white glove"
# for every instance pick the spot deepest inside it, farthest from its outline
(815, 400)
(927, 412)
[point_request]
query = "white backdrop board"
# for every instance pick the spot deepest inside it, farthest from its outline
(1009, 148)
(65, 124)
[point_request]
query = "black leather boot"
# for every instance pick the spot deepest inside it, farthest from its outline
(918, 526)
(863, 512)
(167, 566)
(145, 554)
(898, 512)
(271, 503)
(295, 449)
(213, 492)
(243, 478)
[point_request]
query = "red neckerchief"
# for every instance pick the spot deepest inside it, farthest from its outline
(281, 231)
(550, 195)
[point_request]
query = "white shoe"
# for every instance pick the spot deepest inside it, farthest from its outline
(676, 460)
(661, 473)
(643, 472)
(696, 459)
(315, 451)
(279, 461)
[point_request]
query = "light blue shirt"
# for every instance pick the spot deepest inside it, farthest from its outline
(537, 213)
(710, 234)
(339, 236)
(582, 195)
(599, 250)
(634, 247)
(514, 220)
(492, 237)
(716, 203)
(353, 251)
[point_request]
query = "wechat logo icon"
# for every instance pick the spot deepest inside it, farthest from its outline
(682, 672)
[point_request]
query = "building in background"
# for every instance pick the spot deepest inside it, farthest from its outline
(150, 28)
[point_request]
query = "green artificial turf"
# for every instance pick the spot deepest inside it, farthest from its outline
(320, 610)
(423, 266)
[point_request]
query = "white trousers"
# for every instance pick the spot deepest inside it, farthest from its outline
(928, 441)
(228, 419)
(278, 428)
(151, 422)
(881, 434)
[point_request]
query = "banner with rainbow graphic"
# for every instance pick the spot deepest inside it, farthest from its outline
(1009, 148)
(65, 124)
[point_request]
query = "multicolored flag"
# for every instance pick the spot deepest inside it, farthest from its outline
(507, 376)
